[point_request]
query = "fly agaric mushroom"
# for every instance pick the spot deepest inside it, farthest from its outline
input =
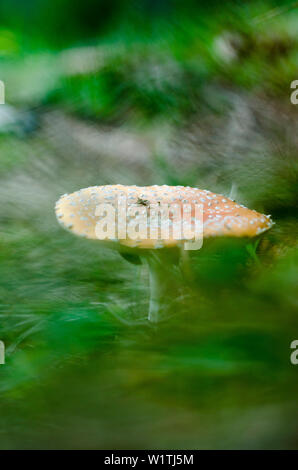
(88, 213)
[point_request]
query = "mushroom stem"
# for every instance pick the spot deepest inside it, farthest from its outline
(155, 302)
(161, 285)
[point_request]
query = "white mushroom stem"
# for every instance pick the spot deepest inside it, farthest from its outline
(162, 284)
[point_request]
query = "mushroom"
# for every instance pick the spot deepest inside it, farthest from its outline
(135, 221)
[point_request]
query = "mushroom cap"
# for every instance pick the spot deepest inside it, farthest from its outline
(222, 217)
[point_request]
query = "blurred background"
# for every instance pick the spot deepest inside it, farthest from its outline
(147, 92)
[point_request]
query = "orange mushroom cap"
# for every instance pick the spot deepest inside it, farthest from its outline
(222, 217)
